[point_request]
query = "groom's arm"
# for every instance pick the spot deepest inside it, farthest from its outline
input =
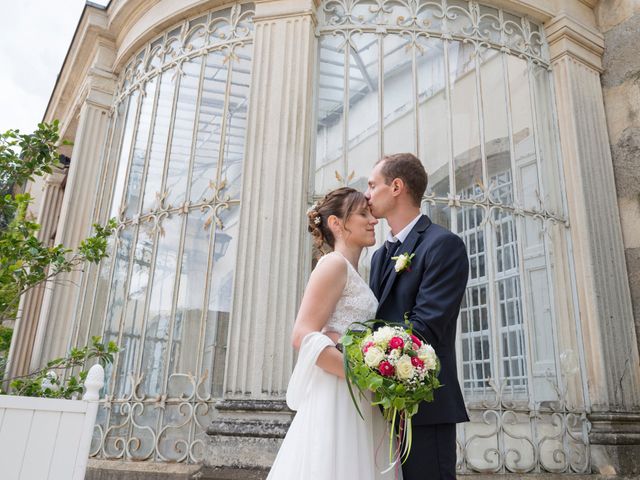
(446, 271)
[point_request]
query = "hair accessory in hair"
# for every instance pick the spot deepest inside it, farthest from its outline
(313, 208)
(315, 214)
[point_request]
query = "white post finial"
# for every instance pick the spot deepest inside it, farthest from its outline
(93, 383)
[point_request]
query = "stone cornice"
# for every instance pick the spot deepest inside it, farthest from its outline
(567, 37)
(86, 51)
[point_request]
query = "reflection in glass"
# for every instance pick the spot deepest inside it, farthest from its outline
(188, 310)
(207, 148)
(131, 106)
(225, 252)
(164, 296)
(182, 132)
(363, 147)
(154, 356)
(159, 140)
(433, 136)
(133, 191)
(330, 126)
(464, 112)
(235, 134)
(467, 108)
(117, 294)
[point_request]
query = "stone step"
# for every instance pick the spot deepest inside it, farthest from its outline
(117, 470)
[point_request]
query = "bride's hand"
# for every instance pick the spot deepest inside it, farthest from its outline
(334, 336)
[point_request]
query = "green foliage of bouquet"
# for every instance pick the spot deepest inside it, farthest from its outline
(400, 370)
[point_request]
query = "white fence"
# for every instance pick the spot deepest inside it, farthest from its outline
(45, 438)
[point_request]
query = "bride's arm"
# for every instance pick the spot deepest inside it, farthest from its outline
(318, 303)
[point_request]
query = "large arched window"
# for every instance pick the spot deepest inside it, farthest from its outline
(467, 88)
(176, 150)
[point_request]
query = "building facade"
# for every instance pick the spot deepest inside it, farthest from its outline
(207, 128)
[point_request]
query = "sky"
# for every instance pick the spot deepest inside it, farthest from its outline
(34, 38)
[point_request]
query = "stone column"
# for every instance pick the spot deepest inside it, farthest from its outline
(273, 244)
(77, 212)
(28, 311)
(602, 285)
(619, 20)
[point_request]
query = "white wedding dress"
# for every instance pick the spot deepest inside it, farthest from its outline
(327, 439)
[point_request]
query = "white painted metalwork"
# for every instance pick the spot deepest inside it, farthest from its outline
(175, 151)
(467, 88)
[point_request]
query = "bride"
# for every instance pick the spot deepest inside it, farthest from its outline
(327, 439)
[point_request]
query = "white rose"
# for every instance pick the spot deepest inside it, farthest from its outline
(404, 369)
(427, 354)
(395, 353)
(382, 336)
(402, 262)
(373, 357)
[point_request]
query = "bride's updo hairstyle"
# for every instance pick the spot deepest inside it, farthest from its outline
(341, 202)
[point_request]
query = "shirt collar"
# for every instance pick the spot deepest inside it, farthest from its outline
(404, 233)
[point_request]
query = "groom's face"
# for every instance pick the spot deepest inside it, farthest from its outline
(379, 194)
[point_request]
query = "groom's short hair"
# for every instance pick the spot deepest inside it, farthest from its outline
(409, 169)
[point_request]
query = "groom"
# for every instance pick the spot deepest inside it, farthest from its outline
(430, 292)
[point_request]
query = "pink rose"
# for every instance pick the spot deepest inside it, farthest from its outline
(416, 341)
(416, 362)
(386, 369)
(367, 346)
(396, 342)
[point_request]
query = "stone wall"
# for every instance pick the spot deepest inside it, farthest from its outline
(619, 21)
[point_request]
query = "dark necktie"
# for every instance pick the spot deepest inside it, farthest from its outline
(391, 249)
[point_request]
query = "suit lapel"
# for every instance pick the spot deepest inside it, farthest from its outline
(406, 247)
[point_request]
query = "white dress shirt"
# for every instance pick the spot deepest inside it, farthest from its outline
(404, 233)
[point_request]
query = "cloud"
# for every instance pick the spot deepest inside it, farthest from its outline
(35, 36)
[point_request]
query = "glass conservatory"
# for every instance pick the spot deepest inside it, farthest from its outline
(226, 122)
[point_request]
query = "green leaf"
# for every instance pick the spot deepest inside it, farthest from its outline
(347, 340)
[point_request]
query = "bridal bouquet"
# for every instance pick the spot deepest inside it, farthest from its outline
(400, 370)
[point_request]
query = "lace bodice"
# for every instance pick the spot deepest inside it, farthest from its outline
(357, 303)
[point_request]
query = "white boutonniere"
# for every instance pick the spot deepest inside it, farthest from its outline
(403, 262)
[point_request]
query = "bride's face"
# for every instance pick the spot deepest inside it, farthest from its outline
(359, 227)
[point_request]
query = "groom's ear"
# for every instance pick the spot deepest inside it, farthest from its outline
(397, 186)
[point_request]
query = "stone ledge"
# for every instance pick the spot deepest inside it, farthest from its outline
(248, 428)
(252, 405)
(614, 428)
(116, 470)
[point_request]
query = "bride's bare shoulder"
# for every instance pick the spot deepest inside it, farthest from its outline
(331, 265)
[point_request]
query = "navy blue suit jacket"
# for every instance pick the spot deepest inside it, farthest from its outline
(430, 293)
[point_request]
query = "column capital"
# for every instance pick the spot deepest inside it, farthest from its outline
(276, 9)
(55, 178)
(98, 89)
(99, 85)
(568, 37)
